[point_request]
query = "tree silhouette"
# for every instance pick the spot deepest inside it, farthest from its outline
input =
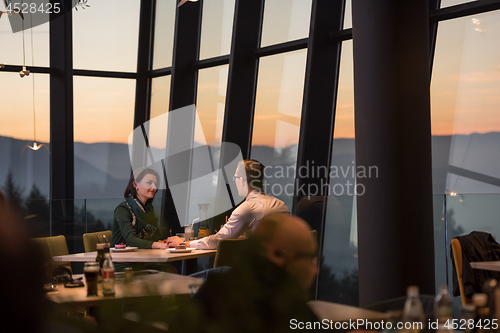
(11, 189)
(343, 290)
(36, 205)
(454, 229)
(83, 216)
(37, 210)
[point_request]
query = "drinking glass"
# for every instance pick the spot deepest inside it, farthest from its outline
(91, 271)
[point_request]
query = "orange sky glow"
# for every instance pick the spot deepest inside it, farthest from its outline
(464, 98)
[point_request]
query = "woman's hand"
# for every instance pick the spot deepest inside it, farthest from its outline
(158, 245)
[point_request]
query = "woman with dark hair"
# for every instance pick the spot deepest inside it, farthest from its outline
(134, 222)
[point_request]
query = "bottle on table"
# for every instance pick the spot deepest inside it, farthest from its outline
(413, 313)
(443, 309)
(102, 248)
(108, 276)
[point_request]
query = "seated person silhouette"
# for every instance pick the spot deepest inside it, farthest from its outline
(249, 178)
(268, 288)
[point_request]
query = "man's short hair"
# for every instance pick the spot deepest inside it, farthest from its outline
(254, 174)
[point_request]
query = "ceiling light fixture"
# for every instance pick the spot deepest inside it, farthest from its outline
(22, 73)
(82, 4)
(12, 13)
(184, 1)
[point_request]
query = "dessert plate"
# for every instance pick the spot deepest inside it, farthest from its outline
(174, 250)
(126, 249)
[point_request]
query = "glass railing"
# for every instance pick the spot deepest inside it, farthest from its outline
(338, 278)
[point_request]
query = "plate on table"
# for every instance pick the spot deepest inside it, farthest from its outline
(186, 250)
(125, 249)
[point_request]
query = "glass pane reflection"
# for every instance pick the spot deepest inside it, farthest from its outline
(29, 173)
(106, 36)
(211, 101)
(285, 20)
(164, 33)
(338, 278)
(278, 109)
(343, 152)
(216, 28)
(160, 95)
(103, 120)
(11, 52)
(449, 3)
(348, 15)
(465, 105)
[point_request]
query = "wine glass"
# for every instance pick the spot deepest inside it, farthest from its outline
(48, 268)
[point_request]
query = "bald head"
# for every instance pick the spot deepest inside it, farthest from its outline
(287, 241)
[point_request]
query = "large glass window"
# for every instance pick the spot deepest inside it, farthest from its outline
(160, 99)
(285, 20)
(11, 52)
(210, 104)
(278, 109)
(106, 36)
(160, 95)
(448, 3)
(216, 28)
(22, 172)
(465, 105)
(103, 120)
(211, 101)
(348, 15)
(164, 33)
(465, 131)
(338, 279)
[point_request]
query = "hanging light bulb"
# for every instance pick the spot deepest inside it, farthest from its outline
(24, 72)
(35, 147)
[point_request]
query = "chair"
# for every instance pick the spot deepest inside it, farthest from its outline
(228, 252)
(55, 246)
(90, 240)
(456, 248)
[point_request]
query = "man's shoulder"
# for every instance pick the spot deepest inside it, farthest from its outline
(259, 196)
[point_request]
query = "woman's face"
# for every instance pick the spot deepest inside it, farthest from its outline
(146, 188)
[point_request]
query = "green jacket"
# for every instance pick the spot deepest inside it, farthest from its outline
(124, 232)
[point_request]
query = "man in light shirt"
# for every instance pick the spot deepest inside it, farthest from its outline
(249, 178)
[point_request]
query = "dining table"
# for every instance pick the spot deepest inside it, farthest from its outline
(486, 265)
(139, 255)
(144, 255)
(147, 289)
(145, 284)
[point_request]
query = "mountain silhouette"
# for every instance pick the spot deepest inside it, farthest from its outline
(103, 169)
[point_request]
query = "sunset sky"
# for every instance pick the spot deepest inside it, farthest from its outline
(465, 78)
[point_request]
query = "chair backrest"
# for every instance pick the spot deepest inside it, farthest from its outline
(55, 246)
(91, 239)
(229, 252)
(456, 248)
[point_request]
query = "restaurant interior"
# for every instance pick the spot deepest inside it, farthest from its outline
(378, 123)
